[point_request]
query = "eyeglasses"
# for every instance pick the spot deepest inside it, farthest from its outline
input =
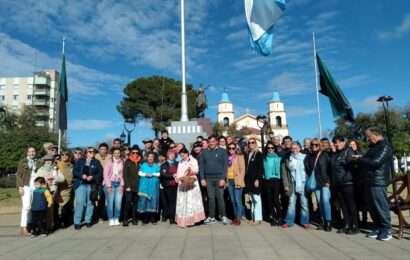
(232, 148)
(251, 142)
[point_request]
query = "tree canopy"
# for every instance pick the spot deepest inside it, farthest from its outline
(399, 127)
(157, 98)
(17, 132)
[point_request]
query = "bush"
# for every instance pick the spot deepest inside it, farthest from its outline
(8, 181)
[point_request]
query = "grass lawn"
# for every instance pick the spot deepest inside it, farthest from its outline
(9, 197)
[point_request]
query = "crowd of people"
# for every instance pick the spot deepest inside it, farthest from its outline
(330, 184)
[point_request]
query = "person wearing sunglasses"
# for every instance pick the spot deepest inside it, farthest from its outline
(272, 184)
(87, 174)
(317, 163)
(131, 183)
(253, 178)
(77, 154)
(294, 180)
(236, 182)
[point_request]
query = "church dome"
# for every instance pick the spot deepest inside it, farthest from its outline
(275, 97)
(225, 97)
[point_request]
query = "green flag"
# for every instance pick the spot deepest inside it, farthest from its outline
(62, 120)
(341, 107)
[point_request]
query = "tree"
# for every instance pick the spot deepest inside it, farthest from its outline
(157, 98)
(20, 132)
(399, 128)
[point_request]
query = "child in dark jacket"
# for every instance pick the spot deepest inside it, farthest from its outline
(40, 203)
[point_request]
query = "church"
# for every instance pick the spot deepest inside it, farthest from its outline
(247, 123)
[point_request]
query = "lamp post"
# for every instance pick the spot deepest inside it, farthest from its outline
(129, 127)
(385, 103)
(262, 124)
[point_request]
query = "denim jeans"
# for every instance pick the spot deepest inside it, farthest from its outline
(323, 198)
(113, 202)
(380, 209)
(215, 195)
(304, 211)
(236, 197)
(82, 201)
(256, 209)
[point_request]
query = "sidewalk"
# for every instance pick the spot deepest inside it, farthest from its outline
(203, 242)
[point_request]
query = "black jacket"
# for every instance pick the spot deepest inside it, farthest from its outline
(254, 171)
(378, 163)
(322, 168)
(168, 170)
(95, 170)
(341, 167)
(131, 177)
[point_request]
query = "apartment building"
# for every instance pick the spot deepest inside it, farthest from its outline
(41, 90)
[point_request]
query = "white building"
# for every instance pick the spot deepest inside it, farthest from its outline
(41, 91)
(276, 113)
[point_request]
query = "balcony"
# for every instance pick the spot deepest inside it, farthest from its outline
(43, 113)
(40, 79)
(41, 91)
(41, 102)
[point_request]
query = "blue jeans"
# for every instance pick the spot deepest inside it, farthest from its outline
(236, 197)
(323, 199)
(113, 200)
(380, 209)
(82, 201)
(304, 211)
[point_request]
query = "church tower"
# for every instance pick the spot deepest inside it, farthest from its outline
(225, 111)
(277, 116)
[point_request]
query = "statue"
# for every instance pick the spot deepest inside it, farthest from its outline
(201, 103)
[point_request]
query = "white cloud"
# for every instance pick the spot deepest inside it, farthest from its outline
(143, 32)
(90, 124)
(289, 84)
(366, 104)
(299, 111)
(19, 59)
(355, 81)
(398, 32)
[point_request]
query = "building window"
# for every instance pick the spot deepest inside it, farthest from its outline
(28, 97)
(226, 122)
(2, 98)
(278, 121)
(15, 97)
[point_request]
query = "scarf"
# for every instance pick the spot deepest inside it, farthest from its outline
(230, 159)
(297, 168)
(135, 158)
(272, 166)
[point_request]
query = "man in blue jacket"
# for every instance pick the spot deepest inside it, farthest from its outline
(213, 164)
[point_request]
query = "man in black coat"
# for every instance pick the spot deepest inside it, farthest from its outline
(378, 164)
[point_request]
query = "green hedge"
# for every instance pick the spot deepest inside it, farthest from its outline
(8, 181)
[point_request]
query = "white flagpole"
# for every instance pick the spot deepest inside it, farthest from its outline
(317, 86)
(184, 102)
(60, 132)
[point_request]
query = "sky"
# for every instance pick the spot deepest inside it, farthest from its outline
(365, 45)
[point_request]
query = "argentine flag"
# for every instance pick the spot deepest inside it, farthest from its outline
(261, 16)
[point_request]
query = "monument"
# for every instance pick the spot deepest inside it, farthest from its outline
(184, 131)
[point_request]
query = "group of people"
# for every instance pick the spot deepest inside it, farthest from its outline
(221, 178)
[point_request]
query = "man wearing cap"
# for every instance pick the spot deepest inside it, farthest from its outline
(147, 148)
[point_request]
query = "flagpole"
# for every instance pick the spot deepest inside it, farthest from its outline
(317, 86)
(184, 102)
(60, 132)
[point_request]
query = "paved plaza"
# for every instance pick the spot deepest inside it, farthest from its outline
(203, 242)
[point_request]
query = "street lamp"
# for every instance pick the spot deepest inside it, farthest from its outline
(129, 127)
(385, 102)
(262, 123)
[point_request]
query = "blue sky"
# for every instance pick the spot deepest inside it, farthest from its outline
(364, 43)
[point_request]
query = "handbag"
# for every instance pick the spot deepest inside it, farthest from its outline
(311, 184)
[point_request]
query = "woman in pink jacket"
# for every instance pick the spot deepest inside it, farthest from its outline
(114, 186)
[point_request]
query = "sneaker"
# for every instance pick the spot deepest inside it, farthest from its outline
(88, 225)
(77, 227)
(306, 226)
(285, 226)
(116, 222)
(373, 234)
(111, 222)
(210, 221)
(384, 236)
(225, 221)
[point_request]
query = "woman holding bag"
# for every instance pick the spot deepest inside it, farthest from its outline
(316, 165)
(189, 209)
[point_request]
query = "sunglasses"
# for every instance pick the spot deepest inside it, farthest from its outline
(135, 153)
(270, 148)
(252, 142)
(232, 148)
(315, 144)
